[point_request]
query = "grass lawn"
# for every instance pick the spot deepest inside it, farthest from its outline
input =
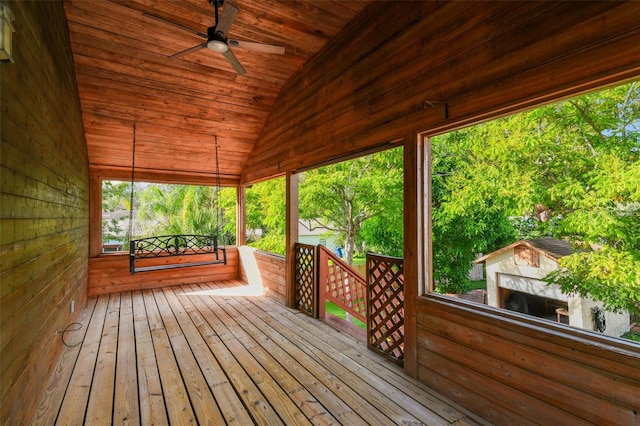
(478, 285)
(632, 335)
(331, 308)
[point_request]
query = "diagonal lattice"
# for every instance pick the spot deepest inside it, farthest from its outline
(305, 279)
(342, 285)
(385, 329)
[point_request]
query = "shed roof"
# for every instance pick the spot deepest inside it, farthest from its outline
(550, 247)
(305, 228)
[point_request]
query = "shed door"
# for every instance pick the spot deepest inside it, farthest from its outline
(531, 286)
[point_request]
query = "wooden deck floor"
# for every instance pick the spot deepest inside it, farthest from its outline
(184, 355)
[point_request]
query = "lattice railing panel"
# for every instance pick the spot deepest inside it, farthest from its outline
(385, 319)
(305, 279)
(342, 285)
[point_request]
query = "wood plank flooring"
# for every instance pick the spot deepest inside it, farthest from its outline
(198, 354)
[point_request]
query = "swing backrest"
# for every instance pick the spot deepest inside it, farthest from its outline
(175, 245)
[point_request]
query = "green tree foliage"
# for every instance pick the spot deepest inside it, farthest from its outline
(115, 198)
(568, 170)
(228, 198)
(383, 232)
(185, 209)
(600, 209)
(609, 275)
(266, 211)
(342, 197)
(469, 212)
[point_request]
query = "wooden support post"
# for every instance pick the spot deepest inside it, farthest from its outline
(322, 272)
(292, 236)
(95, 216)
(241, 214)
(417, 227)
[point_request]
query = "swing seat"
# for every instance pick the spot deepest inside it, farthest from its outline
(175, 245)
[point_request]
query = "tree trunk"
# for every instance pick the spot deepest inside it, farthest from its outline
(349, 245)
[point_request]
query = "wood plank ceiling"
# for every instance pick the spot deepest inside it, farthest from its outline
(125, 76)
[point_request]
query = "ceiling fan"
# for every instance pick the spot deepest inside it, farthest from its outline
(217, 37)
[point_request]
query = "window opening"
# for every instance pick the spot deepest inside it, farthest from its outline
(548, 196)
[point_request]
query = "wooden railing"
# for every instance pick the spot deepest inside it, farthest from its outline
(385, 316)
(378, 300)
(342, 285)
(306, 280)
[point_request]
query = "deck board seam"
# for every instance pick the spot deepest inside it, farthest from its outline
(333, 363)
(289, 412)
(200, 354)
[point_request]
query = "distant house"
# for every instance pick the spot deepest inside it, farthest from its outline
(316, 236)
(514, 282)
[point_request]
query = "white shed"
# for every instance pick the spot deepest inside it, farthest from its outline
(316, 235)
(514, 281)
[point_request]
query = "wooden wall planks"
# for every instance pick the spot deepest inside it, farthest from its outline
(510, 369)
(267, 269)
(44, 205)
(272, 268)
(483, 59)
(110, 273)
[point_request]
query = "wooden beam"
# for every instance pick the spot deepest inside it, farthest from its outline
(241, 215)
(180, 177)
(292, 234)
(95, 216)
(417, 272)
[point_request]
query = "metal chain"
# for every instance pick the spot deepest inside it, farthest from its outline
(133, 168)
(217, 195)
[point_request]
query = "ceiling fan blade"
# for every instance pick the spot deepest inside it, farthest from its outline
(175, 24)
(235, 63)
(228, 15)
(189, 50)
(258, 47)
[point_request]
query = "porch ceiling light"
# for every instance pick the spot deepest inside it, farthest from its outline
(217, 45)
(6, 34)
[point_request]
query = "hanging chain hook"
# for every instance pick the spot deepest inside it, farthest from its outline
(441, 107)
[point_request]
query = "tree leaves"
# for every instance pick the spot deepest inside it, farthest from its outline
(345, 196)
(568, 170)
(266, 212)
(608, 275)
(186, 209)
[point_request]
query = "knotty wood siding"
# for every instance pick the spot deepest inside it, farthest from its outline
(109, 273)
(512, 370)
(267, 268)
(483, 59)
(44, 205)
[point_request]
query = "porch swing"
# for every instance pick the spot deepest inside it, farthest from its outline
(167, 246)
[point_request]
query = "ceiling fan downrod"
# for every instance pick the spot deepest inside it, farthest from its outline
(216, 4)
